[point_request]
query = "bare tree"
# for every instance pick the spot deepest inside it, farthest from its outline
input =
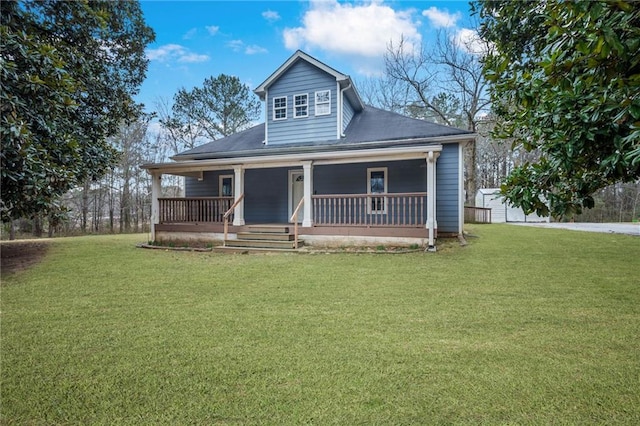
(413, 67)
(178, 134)
(446, 85)
(386, 93)
(132, 143)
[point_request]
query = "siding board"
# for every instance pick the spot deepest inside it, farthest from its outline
(266, 190)
(404, 176)
(266, 195)
(209, 186)
(347, 113)
(447, 189)
(302, 78)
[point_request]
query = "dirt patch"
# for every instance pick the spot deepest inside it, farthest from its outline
(19, 255)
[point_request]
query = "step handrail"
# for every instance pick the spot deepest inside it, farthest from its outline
(294, 219)
(226, 217)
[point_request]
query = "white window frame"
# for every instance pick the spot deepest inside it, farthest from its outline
(370, 208)
(323, 107)
(280, 108)
(220, 185)
(305, 105)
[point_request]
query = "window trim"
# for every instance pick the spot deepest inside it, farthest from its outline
(326, 103)
(280, 108)
(221, 179)
(306, 105)
(370, 208)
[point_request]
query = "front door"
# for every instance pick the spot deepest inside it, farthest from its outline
(296, 192)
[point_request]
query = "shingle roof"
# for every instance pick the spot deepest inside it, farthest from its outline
(366, 127)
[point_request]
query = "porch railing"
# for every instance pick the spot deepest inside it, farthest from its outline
(229, 215)
(397, 209)
(200, 209)
(477, 214)
(294, 219)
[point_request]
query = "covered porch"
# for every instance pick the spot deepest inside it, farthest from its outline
(364, 194)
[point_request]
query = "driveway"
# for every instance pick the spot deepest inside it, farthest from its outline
(627, 228)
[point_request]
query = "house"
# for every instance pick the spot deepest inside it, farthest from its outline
(502, 212)
(324, 163)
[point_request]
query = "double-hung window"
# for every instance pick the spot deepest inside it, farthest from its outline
(226, 186)
(323, 102)
(280, 108)
(376, 188)
(301, 105)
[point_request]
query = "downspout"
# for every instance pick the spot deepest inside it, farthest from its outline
(431, 199)
(266, 117)
(341, 118)
(156, 189)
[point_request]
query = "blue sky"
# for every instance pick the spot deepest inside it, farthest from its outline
(250, 39)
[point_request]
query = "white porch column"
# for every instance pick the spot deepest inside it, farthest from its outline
(238, 215)
(432, 223)
(307, 166)
(156, 189)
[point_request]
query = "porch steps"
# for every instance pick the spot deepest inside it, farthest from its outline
(265, 236)
(269, 229)
(262, 238)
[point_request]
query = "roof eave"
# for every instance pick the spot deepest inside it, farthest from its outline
(320, 158)
(358, 146)
(261, 90)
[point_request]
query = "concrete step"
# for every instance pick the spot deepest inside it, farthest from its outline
(247, 250)
(271, 244)
(265, 236)
(270, 229)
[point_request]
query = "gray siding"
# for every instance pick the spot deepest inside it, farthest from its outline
(266, 195)
(302, 78)
(404, 176)
(448, 190)
(347, 113)
(267, 190)
(207, 187)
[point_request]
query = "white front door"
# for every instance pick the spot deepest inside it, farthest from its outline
(296, 192)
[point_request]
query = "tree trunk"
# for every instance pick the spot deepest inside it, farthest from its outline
(84, 207)
(37, 226)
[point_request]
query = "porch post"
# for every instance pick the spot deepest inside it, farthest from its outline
(307, 166)
(156, 188)
(238, 215)
(432, 223)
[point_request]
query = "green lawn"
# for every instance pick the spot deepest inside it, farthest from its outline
(522, 326)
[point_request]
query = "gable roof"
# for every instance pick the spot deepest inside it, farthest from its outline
(343, 79)
(370, 128)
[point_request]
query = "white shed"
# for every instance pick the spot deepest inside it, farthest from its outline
(502, 212)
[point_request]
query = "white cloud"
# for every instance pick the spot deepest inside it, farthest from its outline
(174, 53)
(361, 31)
(235, 45)
(470, 41)
(441, 18)
(271, 16)
(193, 58)
(239, 45)
(190, 34)
(254, 49)
(212, 29)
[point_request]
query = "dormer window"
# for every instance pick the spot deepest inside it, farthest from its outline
(280, 108)
(323, 102)
(301, 105)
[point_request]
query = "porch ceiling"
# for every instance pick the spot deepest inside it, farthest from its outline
(194, 168)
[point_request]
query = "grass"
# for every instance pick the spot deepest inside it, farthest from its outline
(522, 326)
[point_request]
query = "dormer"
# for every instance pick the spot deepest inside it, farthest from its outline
(307, 101)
